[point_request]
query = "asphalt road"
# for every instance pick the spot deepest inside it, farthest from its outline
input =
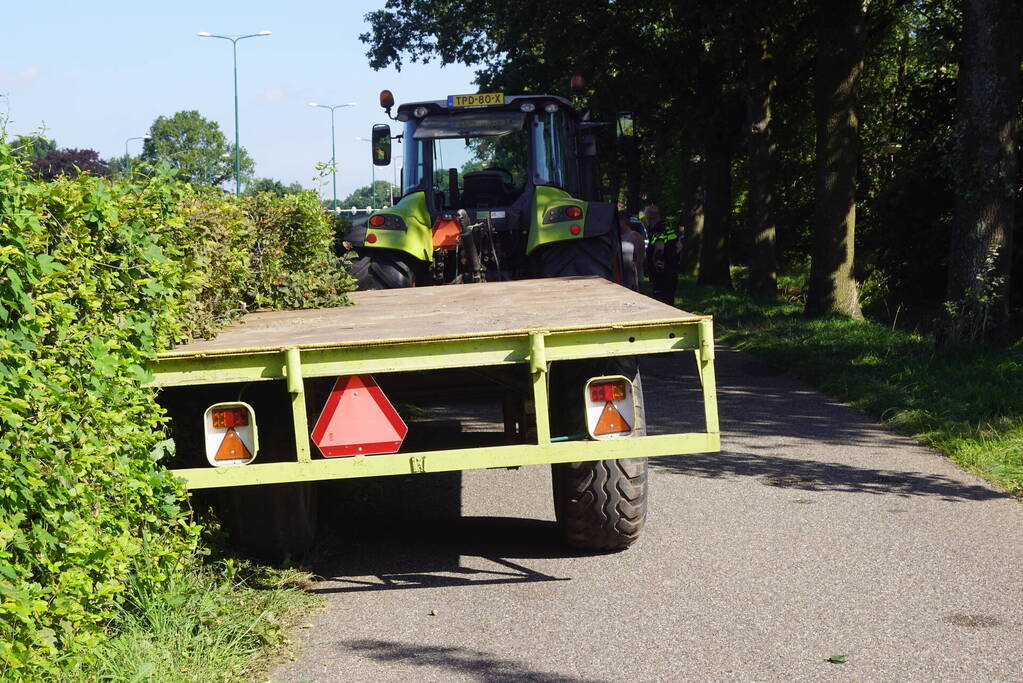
(815, 533)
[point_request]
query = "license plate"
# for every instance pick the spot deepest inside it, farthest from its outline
(478, 100)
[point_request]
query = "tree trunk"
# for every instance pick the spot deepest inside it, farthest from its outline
(980, 263)
(718, 183)
(692, 215)
(832, 288)
(763, 273)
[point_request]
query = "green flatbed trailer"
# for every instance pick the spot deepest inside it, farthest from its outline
(526, 323)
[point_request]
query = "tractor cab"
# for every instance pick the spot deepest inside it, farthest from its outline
(486, 180)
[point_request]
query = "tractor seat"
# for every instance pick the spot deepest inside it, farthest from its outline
(487, 188)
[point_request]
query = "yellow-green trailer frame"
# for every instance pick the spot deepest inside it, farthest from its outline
(535, 347)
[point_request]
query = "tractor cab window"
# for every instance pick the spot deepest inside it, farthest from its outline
(555, 151)
(475, 159)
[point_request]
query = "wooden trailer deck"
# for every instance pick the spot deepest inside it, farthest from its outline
(529, 321)
(433, 313)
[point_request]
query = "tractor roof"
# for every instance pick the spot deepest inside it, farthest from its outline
(511, 103)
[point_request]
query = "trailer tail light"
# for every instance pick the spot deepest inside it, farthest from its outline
(610, 407)
(230, 434)
(607, 391)
(230, 417)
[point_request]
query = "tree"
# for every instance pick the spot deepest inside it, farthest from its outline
(987, 135)
(70, 163)
(195, 147)
(274, 187)
(376, 195)
(32, 148)
(840, 41)
(760, 81)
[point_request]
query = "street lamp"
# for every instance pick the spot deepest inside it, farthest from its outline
(127, 159)
(333, 161)
(373, 169)
(237, 148)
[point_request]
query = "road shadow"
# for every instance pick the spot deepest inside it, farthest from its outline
(814, 475)
(759, 408)
(484, 666)
(464, 551)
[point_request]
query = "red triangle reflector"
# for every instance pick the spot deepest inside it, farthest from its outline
(611, 421)
(358, 420)
(232, 447)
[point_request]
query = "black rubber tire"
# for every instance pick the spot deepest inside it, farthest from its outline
(599, 505)
(599, 255)
(382, 269)
(274, 523)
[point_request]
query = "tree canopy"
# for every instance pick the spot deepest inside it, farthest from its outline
(782, 133)
(196, 148)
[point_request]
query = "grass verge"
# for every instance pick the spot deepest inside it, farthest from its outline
(222, 622)
(966, 402)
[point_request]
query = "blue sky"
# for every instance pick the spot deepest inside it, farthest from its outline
(94, 74)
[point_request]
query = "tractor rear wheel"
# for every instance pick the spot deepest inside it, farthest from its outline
(382, 269)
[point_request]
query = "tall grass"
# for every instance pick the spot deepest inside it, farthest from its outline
(216, 623)
(966, 402)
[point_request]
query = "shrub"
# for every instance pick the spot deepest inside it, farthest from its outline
(96, 277)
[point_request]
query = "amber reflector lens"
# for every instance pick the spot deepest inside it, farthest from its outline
(574, 212)
(376, 221)
(224, 418)
(607, 391)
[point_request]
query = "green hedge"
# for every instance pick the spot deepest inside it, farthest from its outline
(95, 277)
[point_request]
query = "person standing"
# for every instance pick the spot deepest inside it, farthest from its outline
(662, 256)
(633, 253)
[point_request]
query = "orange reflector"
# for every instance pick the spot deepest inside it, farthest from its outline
(607, 391)
(574, 212)
(377, 221)
(611, 422)
(230, 417)
(575, 230)
(232, 448)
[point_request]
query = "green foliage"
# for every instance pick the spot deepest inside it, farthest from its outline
(274, 187)
(207, 624)
(376, 195)
(196, 148)
(966, 402)
(32, 148)
(95, 278)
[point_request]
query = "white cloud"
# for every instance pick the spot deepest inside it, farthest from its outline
(272, 95)
(23, 77)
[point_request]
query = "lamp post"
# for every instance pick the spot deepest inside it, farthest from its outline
(373, 168)
(333, 158)
(127, 159)
(237, 148)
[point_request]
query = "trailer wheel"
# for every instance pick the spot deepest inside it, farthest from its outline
(599, 505)
(382, 269)
(272, 522)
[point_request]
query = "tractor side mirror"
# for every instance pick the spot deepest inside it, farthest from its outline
(381, 144)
